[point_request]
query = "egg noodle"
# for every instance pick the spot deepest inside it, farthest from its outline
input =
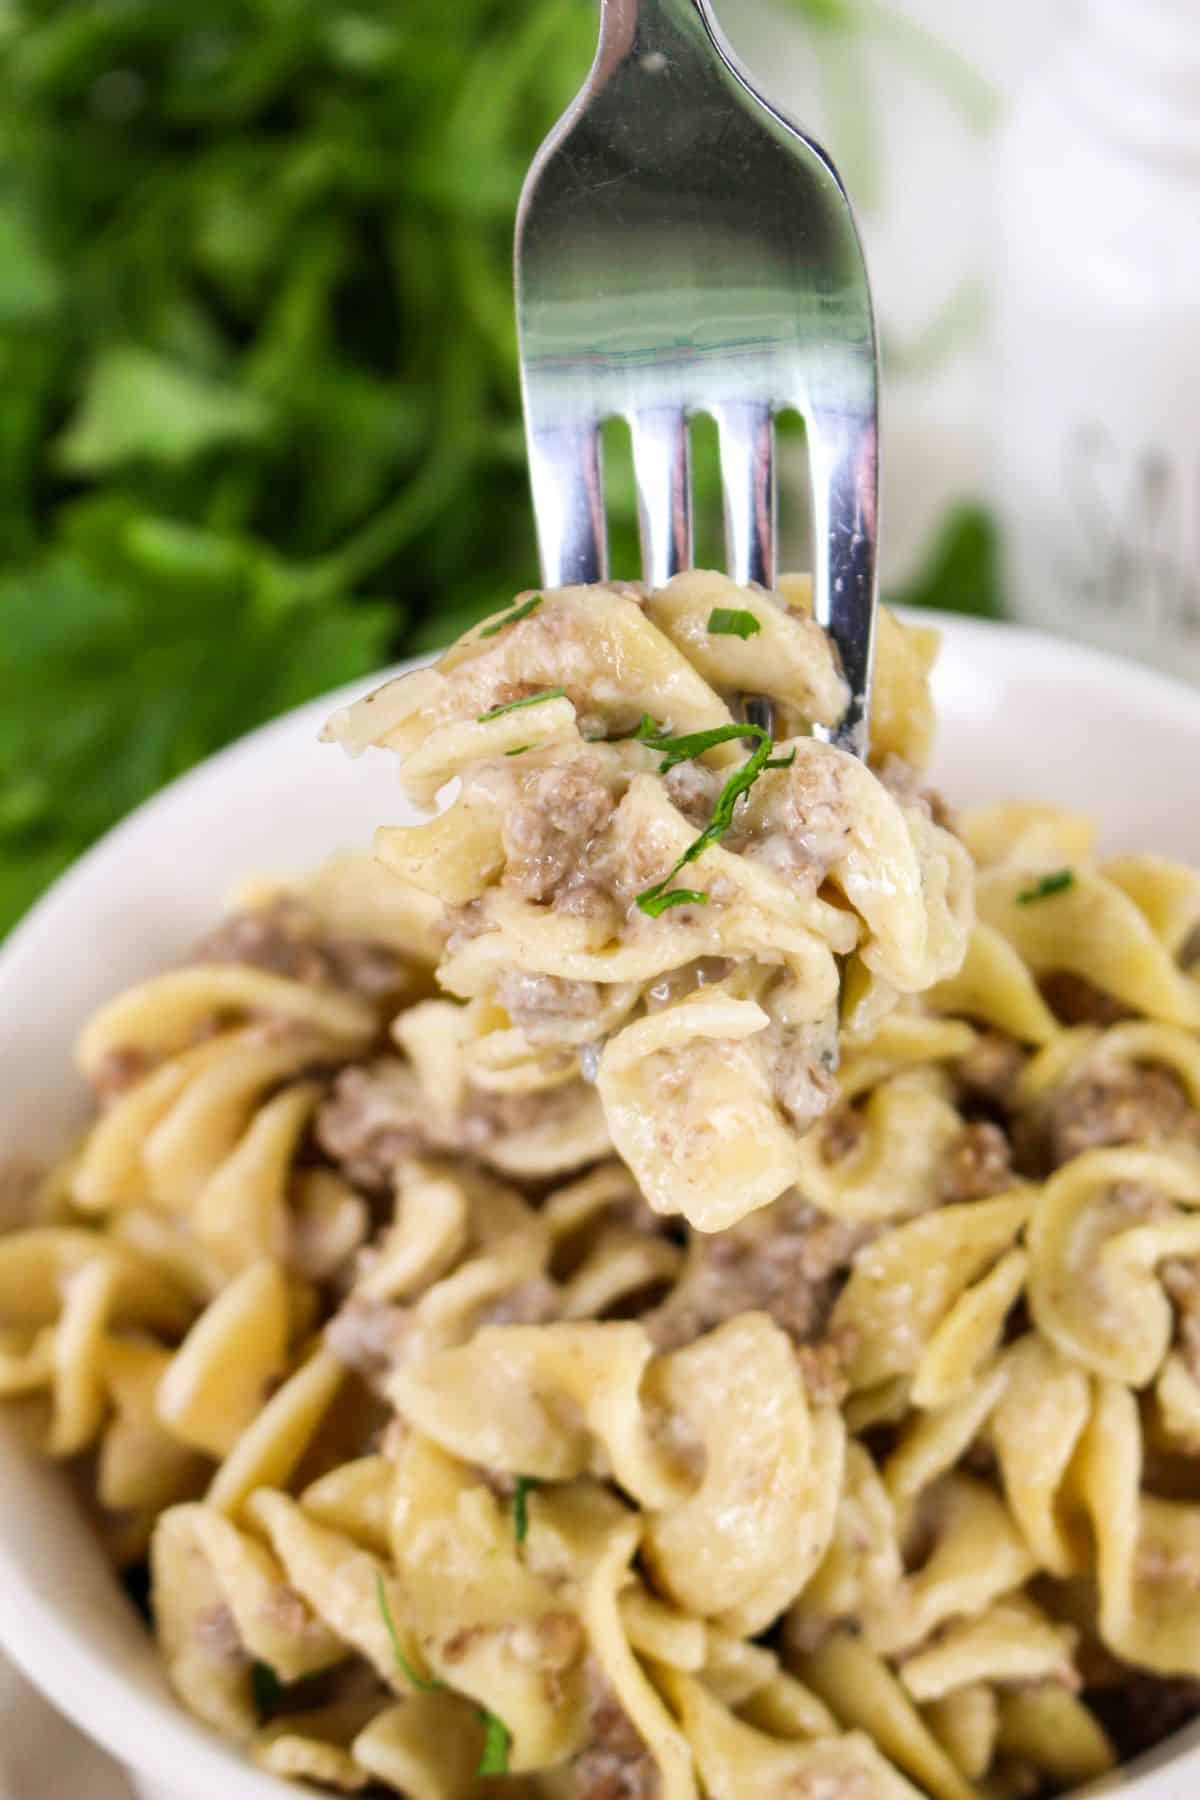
(678, 1276)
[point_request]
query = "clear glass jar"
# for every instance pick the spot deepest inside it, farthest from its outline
(1097, 321)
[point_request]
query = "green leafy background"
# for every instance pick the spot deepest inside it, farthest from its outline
(259, 427)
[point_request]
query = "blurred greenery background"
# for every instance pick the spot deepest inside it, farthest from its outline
(260, 428)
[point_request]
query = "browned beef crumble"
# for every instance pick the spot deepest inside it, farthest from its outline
(904, 783)
(977, 1162)
(1074, 1000)
(1122, 1105)
(369, 1336)
(989, 1069)
(1181, 1278)
(118, 1070)
(369, 1123)
(374, 1117)
(842, 1132)
(615, 1764)
(216, 1633)
(542, 1006)
(548, 830)
(20, 1178)
(789, 1261)
(285, 938)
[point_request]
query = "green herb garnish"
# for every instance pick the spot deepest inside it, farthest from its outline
(732, 621)
(422, 1683)
(656, 900)
(497, 712)
(496, 1741)
(266, 1688)
(524, 1486)
(1057, 883)
(692, 744)
(510, 618)
(518, 750)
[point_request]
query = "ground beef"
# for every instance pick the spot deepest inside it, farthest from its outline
(548, 831)
(375, 1117)
(20, 1179)
(586, 895)
(1075, 1000)
(1118, 1106)
(535, 1302)
(1141, 1710)
(841, 1134)
(1181, 1279)
(804, 1087)
(370, 1122)
(990, 1068)
(217, 1634)
(285, 938)
(119, 1070)
(368, 1336)
(813, 816)
(615, 1765)
(903, 782)
(693, 788)
(788, 1260)
(823, 1367)
(548, 1009)
(977, 1162)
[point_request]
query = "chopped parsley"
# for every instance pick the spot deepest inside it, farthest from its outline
(1056, 883)
(496, 1741)
(266, 1688)
(524, 1486)
(497, 712)
(732, 621)
(510, 618)
(422, 1683)
(656, 900)
(518, 750)
(497, 1737)
(683, 749)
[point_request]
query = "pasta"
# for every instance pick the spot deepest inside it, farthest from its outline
(590, 736)
(744, 1347)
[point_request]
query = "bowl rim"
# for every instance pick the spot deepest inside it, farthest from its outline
(158, 1739)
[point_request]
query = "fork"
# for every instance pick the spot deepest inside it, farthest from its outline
(681, 248)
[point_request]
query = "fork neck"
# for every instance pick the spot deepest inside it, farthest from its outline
(646, 27)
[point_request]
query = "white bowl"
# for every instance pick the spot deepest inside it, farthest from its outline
(1021, 716)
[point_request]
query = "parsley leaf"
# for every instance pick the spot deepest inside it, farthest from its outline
(695, 743)
(733, 621)
(130, 652)
(656, 900)
(266, 1688)
(510, 618)
(522, 1488)
(496, 1744)
(962, 569)
(496, 712)
(1056, 883)
(422, 1683)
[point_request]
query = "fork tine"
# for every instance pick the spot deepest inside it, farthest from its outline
(843, 450)
(746, 440)
(662, 472)
(566, 474)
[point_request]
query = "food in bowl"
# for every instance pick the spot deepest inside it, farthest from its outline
(854, 1457)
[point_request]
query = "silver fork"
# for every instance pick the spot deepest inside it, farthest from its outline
(681, 249)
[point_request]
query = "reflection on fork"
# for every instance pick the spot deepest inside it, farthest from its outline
(682, 249)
